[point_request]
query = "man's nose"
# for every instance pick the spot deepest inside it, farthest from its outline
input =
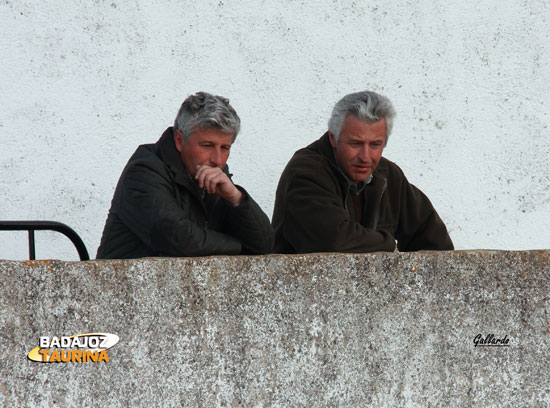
(216, 158)
(364, 153)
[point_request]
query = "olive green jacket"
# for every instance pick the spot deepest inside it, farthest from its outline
(314, 211)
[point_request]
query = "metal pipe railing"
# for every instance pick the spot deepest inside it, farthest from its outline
(32, 226)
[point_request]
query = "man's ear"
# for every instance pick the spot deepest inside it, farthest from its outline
(332, 139)
(178, 140)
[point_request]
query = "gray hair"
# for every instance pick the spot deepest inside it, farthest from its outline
(206, 111)
(367, 106)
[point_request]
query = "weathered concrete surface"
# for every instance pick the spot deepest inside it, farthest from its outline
(314, 330)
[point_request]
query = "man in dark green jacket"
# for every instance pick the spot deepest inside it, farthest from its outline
(340, 195)
(176, 198)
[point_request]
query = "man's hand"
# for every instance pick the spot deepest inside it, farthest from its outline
(215, 181)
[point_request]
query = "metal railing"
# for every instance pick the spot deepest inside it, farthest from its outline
(32, 226)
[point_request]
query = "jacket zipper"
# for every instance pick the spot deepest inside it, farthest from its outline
(377, 214)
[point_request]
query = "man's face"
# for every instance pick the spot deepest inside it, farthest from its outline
(359, 147)
(205, 147)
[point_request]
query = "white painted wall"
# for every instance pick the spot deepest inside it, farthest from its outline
(84, 82)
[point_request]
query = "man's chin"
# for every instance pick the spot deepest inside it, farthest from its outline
(358, 178)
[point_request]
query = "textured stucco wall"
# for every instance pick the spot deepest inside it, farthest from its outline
(384, 330)
(83, 84)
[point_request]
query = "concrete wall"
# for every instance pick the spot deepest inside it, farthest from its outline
(392, 330)
(83, 84)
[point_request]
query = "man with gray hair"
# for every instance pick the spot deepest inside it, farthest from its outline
(176, 198)
(340, 195)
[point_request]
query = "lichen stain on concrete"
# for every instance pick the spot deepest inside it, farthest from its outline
(38, 263)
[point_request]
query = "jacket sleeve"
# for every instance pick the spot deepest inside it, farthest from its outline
(420, 227)
(150, 210)
(250, 225)
(315, 219)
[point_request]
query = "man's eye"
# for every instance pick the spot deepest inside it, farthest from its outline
(226, 148)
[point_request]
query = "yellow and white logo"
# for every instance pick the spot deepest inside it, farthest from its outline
(80, 348)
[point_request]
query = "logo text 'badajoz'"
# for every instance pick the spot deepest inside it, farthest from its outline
(80, 348)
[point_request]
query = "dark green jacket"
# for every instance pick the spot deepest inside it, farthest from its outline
(158, 211)
(314, 211)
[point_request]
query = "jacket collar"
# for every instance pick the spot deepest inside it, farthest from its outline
(170, 156)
